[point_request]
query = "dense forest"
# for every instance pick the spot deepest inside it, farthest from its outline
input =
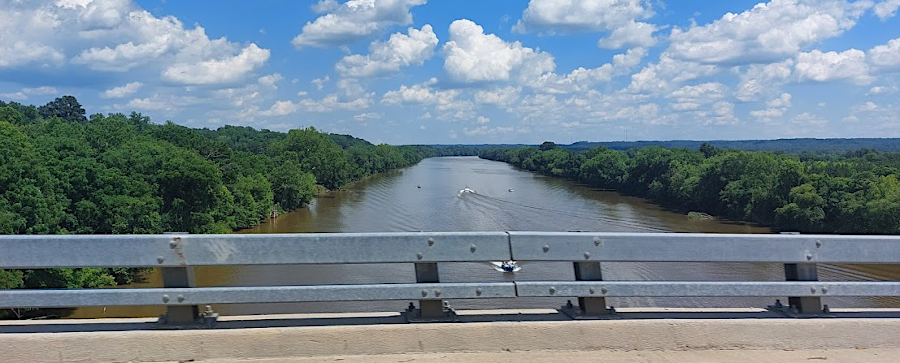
(856, 192)
(62, 172)
(788, 146)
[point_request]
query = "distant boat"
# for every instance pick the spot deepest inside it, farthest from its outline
(507, 266)
(511, 190)
(467, 190)
(419, 186)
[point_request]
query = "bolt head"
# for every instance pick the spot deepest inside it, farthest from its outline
(160, 259)
(478, 291)
(604, 290)
(173, 244)
(546, 248)
(812, 290)
(431, 241)
(472, 248)
(824, 290)
(165, 298)
(419, 256)
(587, 255)
(809, 256)
(552, 290)
(592, 291)
(180, 298)
(437, 292)
(818, 243)
(424, 293)
(597, 241)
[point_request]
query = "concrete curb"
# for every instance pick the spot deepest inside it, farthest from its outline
(315, 341)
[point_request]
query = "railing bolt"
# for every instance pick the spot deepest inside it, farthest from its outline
(424, 293)
(165, 298)
(592, 291)
(552, 290)
(812, 290)
(478, 291)
(472, 248)
(587, 255)
(597, 241)
(824, 290)
(818, 243)
(419, 256)
(546, 248)
(173, 244)
(180, 298)
(431, 241)
(160, 259)
(809, 256)
(437, 292)
(604, 290)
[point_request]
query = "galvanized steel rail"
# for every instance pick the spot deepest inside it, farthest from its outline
(177, 254)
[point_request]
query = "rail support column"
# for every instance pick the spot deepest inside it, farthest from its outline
(803, 272)
(179, 277)
(430, 310)
(588, 306)
(428, 273)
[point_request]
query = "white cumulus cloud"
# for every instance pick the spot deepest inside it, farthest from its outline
(618, 17)
(281, 108)
(401, 50)
(117, 36)
(887, 56)
(353, 21)
(828, 66)
(887, 9)
(766, 33)
(122, 91)
(473, 56)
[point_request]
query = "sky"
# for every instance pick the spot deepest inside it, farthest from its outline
(466, 71)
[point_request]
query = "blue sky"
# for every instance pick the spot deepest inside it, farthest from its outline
(440, 71)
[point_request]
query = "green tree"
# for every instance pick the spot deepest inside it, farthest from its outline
(66, 108)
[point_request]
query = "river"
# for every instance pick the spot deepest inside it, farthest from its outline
(425, 197)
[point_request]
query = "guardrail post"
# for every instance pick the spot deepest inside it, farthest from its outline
(428, 273)
(179, 277)
(803, 272)
(590, 271)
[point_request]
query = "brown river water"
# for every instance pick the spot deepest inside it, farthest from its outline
(425, 197)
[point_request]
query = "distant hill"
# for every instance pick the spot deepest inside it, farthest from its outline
(791, 146)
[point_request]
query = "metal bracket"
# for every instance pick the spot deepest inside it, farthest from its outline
(575, 312)
(792, 312)
(414, 315)
(206, 319)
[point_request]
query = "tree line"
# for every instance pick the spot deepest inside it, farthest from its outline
(62, 172)
(853, 193)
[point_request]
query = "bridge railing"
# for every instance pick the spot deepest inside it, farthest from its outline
(177, 254)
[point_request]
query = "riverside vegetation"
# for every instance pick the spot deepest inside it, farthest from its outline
(853, 192)
(62, 172)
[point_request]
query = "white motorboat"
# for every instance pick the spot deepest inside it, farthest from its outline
(507, 266)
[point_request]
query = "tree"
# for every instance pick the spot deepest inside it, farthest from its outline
(317, 154)
(547, 145)
(66, 108)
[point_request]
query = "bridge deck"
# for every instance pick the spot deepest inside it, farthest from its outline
(861, 335)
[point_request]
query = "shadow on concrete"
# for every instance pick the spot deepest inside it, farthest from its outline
(245, 322)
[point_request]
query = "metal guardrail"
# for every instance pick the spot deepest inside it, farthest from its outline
(177, 254)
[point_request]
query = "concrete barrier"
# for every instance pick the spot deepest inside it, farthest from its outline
(544, 331)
